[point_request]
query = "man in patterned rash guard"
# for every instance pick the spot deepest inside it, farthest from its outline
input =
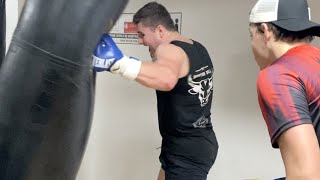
(289, 82)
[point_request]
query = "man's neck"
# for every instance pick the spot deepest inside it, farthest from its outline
(172, 36)
(280, 48)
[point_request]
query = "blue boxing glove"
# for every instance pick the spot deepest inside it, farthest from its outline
(108, 57)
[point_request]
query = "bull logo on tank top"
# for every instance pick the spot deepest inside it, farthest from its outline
(203, 88)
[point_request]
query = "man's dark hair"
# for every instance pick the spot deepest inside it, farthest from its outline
(285, 35)
(154, 14)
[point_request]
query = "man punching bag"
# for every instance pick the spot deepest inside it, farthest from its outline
(2, 30)
(46, 87)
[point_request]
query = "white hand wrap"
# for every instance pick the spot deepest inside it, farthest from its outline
(127, 67)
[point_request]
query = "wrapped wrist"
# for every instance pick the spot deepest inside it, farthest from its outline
(127, 67)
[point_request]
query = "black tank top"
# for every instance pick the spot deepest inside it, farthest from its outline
(184, 112)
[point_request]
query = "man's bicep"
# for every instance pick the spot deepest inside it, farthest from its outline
(300, 150)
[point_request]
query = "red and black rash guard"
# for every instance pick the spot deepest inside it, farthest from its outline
(289, 91)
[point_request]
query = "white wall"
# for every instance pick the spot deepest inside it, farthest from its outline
(11, 18)
(124, 137)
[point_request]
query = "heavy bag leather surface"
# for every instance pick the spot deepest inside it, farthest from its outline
(47, 87)
(2, 30)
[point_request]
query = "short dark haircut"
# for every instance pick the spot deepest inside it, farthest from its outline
(285, 35)
(154, 14)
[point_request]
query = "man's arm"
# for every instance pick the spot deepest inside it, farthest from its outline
(300, 153)
(162, 74)
(171, 63)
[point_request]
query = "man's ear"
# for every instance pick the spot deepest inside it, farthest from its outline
(267, 32)
(161, 30)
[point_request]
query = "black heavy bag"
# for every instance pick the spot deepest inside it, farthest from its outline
(2, 30)
(47, 87)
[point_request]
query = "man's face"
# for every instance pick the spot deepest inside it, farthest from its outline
(148, 36)
(259, 46)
